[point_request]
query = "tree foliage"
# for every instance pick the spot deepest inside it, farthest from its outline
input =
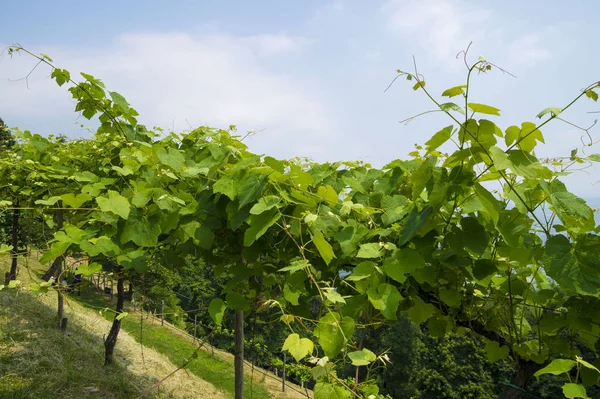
(484, 238)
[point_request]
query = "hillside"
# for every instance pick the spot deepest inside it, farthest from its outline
(38, 361)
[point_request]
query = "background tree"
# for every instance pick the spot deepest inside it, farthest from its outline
(7, 139)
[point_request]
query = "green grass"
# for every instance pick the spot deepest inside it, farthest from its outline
(178, 350)
(38, 361)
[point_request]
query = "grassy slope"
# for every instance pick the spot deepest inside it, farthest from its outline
(178, 350)
(37, 361)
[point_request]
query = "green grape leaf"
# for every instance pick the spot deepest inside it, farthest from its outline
(439, 138)
(194, 171)
(404, 261)
(216, 309)
(362, 357)
(141, 197)
(57, 249)
(291, 294)
(483, 135)
(259, 224)
(100, 245)
(121, 315)
(334, 296)
(275, 164)
(237, 301)
(556, 367)
(587, 364)
(5, 249)
(333, 332)
(119, 100)
(48, 201)
(85, 176)
(264, 204)
(227, 186)
(450, 297)
(300, 178)
(325, 390)
(13, 284)
(526, 136)
(61, 76)
(574, 274)
(420, 311)
(573, 212)
(591, 94)
(70, 234)
(204, 237)
(250, 188)
(142, 231)
(298, 347)
(436, 327)
(37, 289)
(395, 208)
(416, 220)
(553, 111)
(75, 201)
(483, 109)
(298, 264)
(421, 176)
(454, 91)
(370, 250)
(328, 194)
(594, 157)
(386, 299)
(489, 202)
(172, 158)
(483, 268)
(88, 270)
(447, 107)
(361, 271)
(419, 84)
(188, 230)
(136, 259)
(287, 318)
(325, 249)
(572, 390)
(495, 352)
(475, 235)
(115, 203)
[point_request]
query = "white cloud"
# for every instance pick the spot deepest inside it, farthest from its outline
(528, 50)
(328, 12)
(181, 80)
(267, 45)
(444, 27)
(338, 5)
(373, 55)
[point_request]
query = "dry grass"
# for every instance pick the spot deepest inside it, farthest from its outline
(147, 363)
(38, 361)
(138, 369)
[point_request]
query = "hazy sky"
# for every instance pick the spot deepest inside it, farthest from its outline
(309, 76)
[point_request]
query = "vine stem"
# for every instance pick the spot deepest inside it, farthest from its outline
(360, 344)
(45, 60)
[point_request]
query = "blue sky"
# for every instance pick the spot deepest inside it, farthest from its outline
(308, 76)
